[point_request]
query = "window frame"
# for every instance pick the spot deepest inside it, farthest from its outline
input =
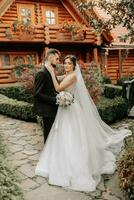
(48, 8)
(28, 6)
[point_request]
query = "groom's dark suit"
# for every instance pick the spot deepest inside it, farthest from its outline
(45, 99)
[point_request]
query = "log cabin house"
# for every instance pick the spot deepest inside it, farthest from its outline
(28, 28)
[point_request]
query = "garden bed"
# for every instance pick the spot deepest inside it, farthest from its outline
(9, 182)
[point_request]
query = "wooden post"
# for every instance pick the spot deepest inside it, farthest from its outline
(0, 62)
(106, 62)
(120, 63)
(87, 56)
(95, 53)
(44, 54)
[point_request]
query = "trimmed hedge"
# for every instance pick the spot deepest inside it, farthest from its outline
(105, 80)
(124, 78)
(111, 91)
(17, 92)
(9, 182)
(17, 109)
(112, 109)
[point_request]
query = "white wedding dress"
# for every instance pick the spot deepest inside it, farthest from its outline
(79, 149)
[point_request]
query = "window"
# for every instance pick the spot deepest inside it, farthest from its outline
(5, 61)
(50, 15)
(26, 13)
(18, 60)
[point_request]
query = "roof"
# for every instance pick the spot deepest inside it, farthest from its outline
(4, 5)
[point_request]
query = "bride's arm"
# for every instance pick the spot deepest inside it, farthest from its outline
(65, 83)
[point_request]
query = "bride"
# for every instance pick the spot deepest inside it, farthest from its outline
(80, 146)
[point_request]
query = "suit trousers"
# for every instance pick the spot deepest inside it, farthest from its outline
(47, 124)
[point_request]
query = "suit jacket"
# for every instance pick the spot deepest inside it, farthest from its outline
(44, 95)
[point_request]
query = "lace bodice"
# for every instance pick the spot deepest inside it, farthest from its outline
(71, 89)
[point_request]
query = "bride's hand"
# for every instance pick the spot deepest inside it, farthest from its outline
(51, 70)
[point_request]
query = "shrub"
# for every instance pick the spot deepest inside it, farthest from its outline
(9, 182)
(112, 109)
(124, 78)
(18, 92)
(111, 91)
(92, 78)
(105, 80)
(17, 109)
(27, 74)
(126, 166)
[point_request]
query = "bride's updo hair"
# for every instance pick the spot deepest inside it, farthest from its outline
(72, 58)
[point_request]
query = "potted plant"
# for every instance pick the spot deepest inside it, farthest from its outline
(76, 31)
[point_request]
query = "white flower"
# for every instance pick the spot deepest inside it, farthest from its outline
(64, 99)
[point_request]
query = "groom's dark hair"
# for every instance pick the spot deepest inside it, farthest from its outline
(52, 52)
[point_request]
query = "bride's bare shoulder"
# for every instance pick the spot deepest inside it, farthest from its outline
(71, 76)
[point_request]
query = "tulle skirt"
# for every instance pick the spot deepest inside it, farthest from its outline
(76, 153)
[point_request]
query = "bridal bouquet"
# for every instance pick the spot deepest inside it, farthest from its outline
(64, 99)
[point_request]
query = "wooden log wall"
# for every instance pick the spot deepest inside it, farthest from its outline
(113, 64)
(40, 31)
(11, 13)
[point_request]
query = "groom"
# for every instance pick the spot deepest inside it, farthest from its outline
(44, 92)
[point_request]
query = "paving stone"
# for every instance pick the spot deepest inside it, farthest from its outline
(113, 186)
(18, 163)
(47, 192)
(40, 180)
(19, 156)
(96, 193)
(28, 147)
(30, 152)
(15, 148)
(28, 184)
(27, 170)
(27, 138)
(35, 157)
(107, 196)
(21, 176)
(101, 185)
(19, 141)
(13, 139)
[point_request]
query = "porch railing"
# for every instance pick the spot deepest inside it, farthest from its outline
(46, 34)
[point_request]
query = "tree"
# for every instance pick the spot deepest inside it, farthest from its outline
(122, 12)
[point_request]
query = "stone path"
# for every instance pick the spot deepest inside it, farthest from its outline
(25, 141)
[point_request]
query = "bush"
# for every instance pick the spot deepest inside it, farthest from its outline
(18, 92)
(92, 78)
(112, 109)
(111, 91)
(126, 166)
(17, 109)
(124, 78)
(105, 80)
(9, 182)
